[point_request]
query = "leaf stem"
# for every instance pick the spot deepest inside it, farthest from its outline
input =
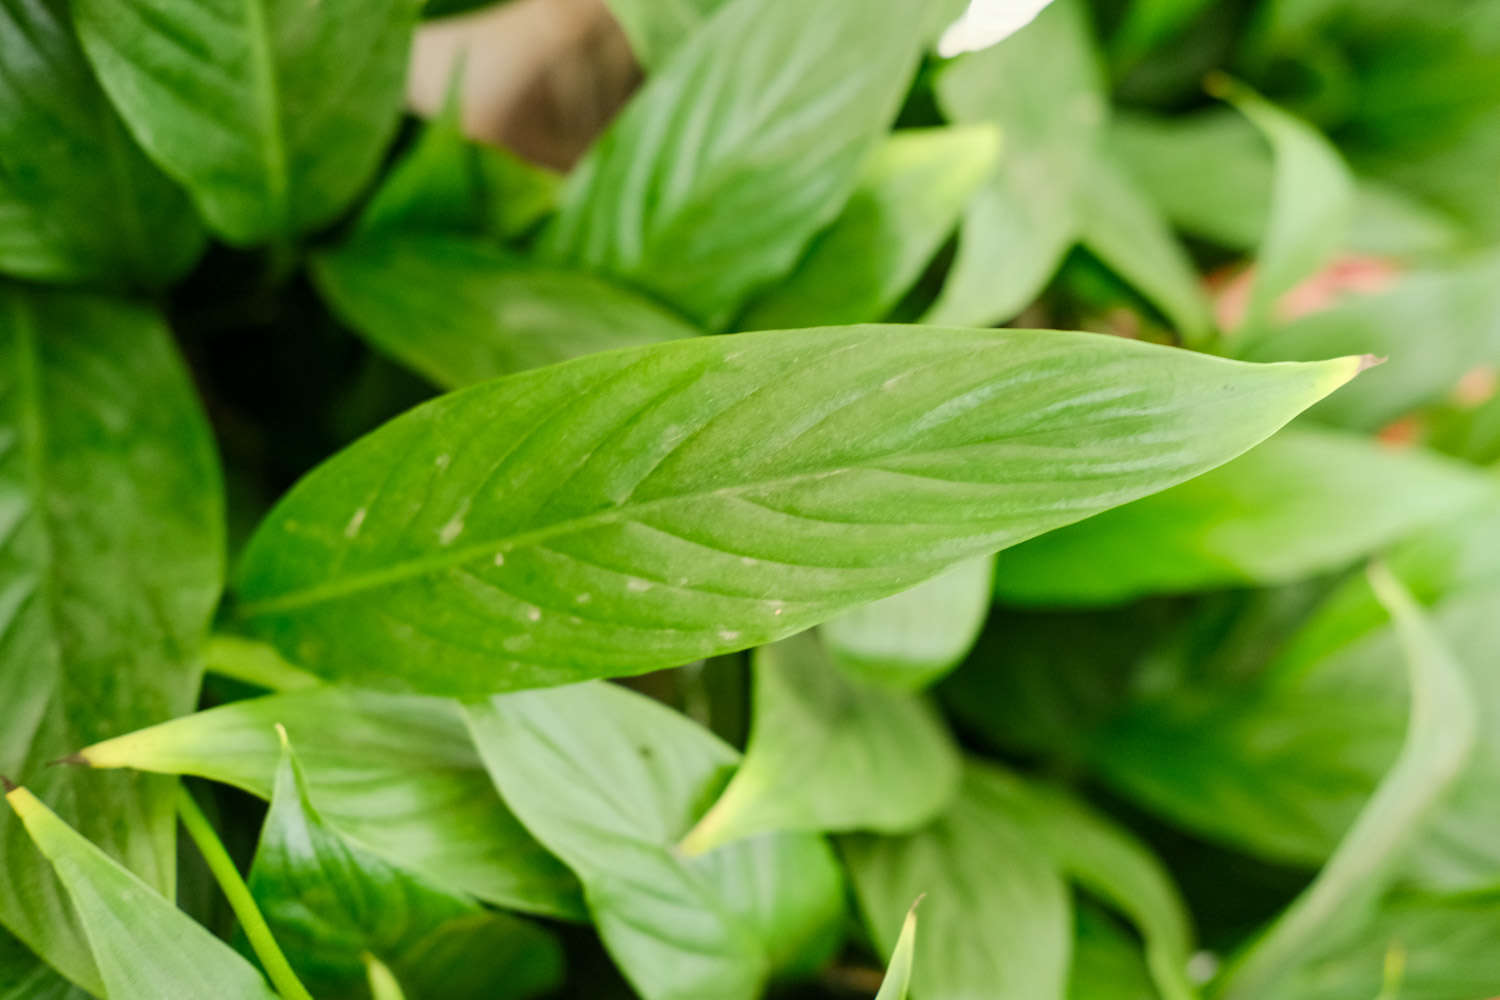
(240, 901)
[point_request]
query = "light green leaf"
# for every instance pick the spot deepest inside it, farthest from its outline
(611, 781)
(909, 199)
(383, 983)
(1042, 87)
(744, 145)
(79, 201)
(1303, 503)
(1456, 312)
(657, 28)
(828, 753)
(448, 184)
(1438, 742)
(996, 915)
(1107, 961)
(460, 311)
(640, 509)
(329, 902)
(909, 640)
(897, 982)
(111, 561)
(397, 775)
(1312, 202)
(145, 948)
(273, 113)
(1119, 224)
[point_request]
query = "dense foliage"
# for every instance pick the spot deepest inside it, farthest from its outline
(655, 580)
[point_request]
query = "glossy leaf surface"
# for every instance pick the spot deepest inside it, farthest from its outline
(640, 509)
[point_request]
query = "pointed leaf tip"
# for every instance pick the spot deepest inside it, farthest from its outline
(1368, 361)
(7, 784)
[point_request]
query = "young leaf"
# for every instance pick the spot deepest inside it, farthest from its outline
(396, 775)
(1305, 502)
(830, 754)
(111, 561)
(1312, 201)
(638, 509)
(460, 311)
(909, 640)
(611, 781)
(1043, 89)
(907, 202)
(79, 201)
(145, 948)
(996, 913)
(330, 901)
(1438, 742)
(743, 146)
(273, 113)
(897, 982)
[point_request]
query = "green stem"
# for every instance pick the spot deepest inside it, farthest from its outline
(240, 901)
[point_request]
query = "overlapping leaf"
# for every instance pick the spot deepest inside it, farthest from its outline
(111, 559)
(611, 781)
(640, 509)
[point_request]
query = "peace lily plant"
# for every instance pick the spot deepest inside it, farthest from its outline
(717, 572)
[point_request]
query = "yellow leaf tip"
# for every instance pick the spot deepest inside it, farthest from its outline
(1368, 361)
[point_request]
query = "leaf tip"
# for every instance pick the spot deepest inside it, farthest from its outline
(77, 759)
(7, 784)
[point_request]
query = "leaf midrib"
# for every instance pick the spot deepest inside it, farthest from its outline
(265, 84)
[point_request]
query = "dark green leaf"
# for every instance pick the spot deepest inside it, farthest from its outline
(396, 775)
(1305, 502)
(111, 560)
(330, 901)
(909, 640)
(743, 146)
(639, 509)
(145, 948)
(23, 976)
(1439, 738)
(996, 917)
(79, 201)
(910, 197)
(611, 782)
(273, 113)
(828, 753)
(461, 311)
(1107, 961)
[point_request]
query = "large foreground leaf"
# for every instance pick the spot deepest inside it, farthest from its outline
(273, 113)
(828, 753)
(146, 948)
(611, 781)
(329, 901)
(111, 559)
(1304, 502)
(396, 775)
(746, 143)
(79, 201)
(640, 509)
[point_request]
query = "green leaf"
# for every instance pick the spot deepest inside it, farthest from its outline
(897, 982)
(397, 775)
(639, 509)
(1303, 503)
(657, 28)
(330, 901)
(146, 949)
(1454, 308)
(1423, 946)
(1119, 224)
(909, 199)
(909, 640)
(1438, 742)
(743, 146)
(1042, 87)
(461, 311)
(994, 900)
(272, 113)
(23, 976)
(1107, 962)
(79, 201)
(447, 184)
(828, 753)
(383, 983)
(611, 781)
(111, 561)
(1312, 202)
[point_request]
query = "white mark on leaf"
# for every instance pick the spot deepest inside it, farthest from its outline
(355, 523)
(637, 585)
(728, 634)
